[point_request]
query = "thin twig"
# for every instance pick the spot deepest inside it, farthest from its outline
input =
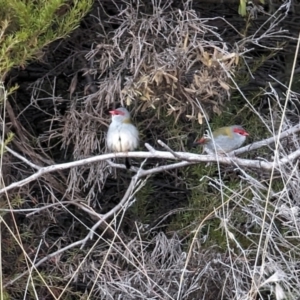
(267, 141)
(169, 149)
(22, 158)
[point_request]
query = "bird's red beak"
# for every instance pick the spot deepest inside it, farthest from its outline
(241, 131)
(201, 141)
(244, 133)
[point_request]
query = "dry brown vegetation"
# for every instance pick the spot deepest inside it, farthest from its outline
(76, 226)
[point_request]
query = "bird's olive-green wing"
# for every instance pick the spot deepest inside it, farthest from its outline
(226, 131)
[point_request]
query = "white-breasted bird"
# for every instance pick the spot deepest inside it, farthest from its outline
(122, 135)
(224, 139)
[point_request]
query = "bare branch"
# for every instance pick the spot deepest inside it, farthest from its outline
(190, 158)
(169, 149)
(22, 158)
(267, 141)
(131, 190)
(114, 210)
(150, 148)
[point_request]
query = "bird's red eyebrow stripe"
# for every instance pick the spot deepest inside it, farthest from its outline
(116, 112)
(240, 131)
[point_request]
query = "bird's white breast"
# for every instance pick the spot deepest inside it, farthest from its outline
(223, 143)
(122, 137)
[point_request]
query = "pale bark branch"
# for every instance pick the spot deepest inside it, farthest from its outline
(188, 159)
(267, 141)
(25, 160)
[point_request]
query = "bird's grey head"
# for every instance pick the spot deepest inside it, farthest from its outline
(120, 114)
(239, 130)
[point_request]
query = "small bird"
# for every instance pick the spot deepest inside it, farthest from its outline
(224, 139)
(122, 135)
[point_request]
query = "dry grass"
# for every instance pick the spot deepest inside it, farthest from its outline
(168, 63)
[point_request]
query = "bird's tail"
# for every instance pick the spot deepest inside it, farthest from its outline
(127, 163)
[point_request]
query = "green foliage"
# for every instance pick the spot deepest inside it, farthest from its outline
(28, 26)
(204, 202)
(4, 295)
(27, 234)
(140, 208)
(243, 7)
(9, 138)
(17, 202)
(204, 198)
(4, 93)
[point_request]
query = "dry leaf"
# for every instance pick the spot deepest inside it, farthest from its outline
(216, 110)
(228, 56)
(73, 84)
(186, 39)
(128, 101)
(171, 76)
(224, 85)
(158, 77)
(200, 118)
(190, 90)
(237, 59)
(190, 117)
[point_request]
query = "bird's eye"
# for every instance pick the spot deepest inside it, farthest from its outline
(206, 133)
